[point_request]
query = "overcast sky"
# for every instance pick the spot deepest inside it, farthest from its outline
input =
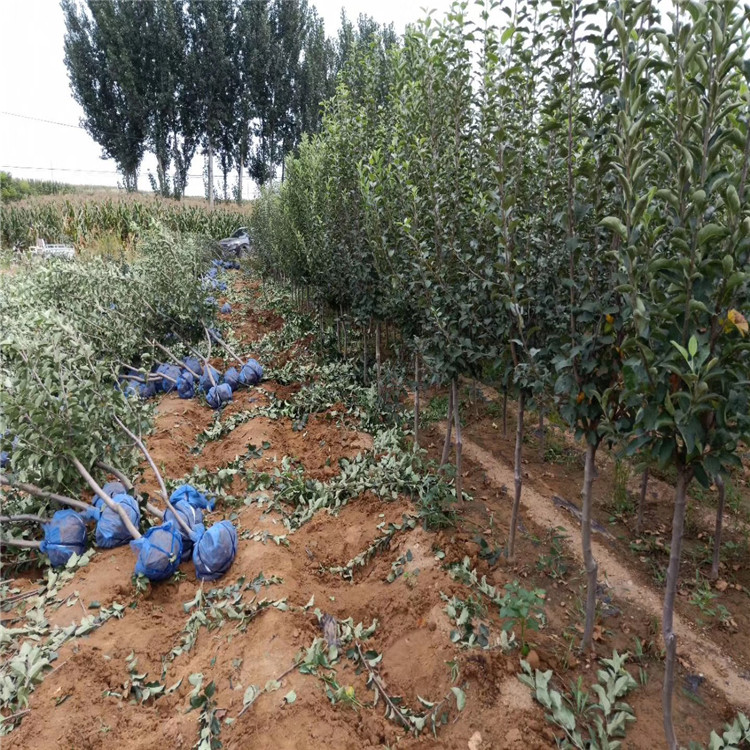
(34, 83)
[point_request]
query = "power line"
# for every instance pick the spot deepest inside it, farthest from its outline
(71, 169)
(62, 169)
(39, 119)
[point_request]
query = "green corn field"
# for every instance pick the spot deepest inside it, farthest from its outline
(81, 220)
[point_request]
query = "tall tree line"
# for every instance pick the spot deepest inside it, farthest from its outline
(238, 80)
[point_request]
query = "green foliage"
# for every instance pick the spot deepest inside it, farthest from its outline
(735, 735)
(82, 221)
(67, 327)
(14, 189)
(523, 609)
(587, 725)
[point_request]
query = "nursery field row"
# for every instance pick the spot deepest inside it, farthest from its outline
(556, 199)
(365, 605)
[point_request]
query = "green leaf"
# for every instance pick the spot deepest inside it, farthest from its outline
(711, 232)
(460, 698)
(290, 697)
(615, 225)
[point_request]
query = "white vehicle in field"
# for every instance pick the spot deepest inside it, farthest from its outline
(43, 250)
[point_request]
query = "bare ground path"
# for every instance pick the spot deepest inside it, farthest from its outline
(697, 649)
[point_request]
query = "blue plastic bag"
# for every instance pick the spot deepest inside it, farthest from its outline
(64, 535)
(218, 396)
(185, 385)
(169, 373)
(130, 389)
(192, 516)
(188, 493)
(225, 308)
(193, 364)
(114, 488)
(251, 372)
(4, 459)
(214, 550)
(205, 382)
(232, 378)
(110, 530)
(146, 390)
(159, 552)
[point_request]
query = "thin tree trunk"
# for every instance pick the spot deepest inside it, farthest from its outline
(542, 434)
(517, 476)
(116, 507)
(719, 522)
(364, 355)
(459, 443)
(21, 517)
(673, 572)
(24, 543)
(32, 489)
(505, 412)
(588, 558)
(239, 182)
(642, 501)
(210, 174)
(447, 443)
(378, 360)
(416, 399)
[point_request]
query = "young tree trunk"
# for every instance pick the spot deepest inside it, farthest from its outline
(588, 558)
(378, 359)
(719, 522)
(459, 443)
(505, 412)
(239, 181)
(447, 443)
(517, 476)
(416, 399)
(542, 434)
(32, 489)
(364, 355)
(673, 572)
(210, 174)
(642, 501)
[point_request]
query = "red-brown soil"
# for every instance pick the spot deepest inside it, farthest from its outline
(68, 709)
